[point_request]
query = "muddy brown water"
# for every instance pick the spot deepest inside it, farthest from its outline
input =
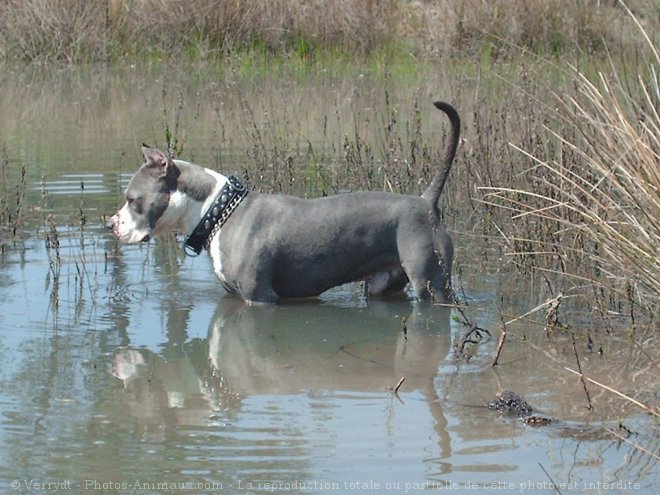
(128, 370)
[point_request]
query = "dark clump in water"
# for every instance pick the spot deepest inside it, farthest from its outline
(510, 403)
(537, 421)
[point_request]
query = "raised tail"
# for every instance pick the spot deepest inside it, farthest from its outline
(433, 191)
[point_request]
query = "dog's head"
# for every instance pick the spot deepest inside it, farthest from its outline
(147, 197)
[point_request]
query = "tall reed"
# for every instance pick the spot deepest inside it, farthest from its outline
(598, 194)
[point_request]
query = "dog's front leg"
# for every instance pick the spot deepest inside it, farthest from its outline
(254, 284)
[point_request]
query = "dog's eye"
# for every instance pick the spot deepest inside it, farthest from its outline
(134, 203)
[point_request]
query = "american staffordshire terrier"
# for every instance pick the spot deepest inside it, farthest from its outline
(268, 247)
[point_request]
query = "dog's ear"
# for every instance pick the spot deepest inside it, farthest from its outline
(157, 161)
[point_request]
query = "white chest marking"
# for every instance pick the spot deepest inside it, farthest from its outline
(214, 249)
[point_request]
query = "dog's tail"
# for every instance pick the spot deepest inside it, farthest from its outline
(433, 191)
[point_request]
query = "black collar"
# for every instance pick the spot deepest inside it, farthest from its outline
(225, 203)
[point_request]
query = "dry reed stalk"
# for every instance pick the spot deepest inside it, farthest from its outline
(639, 404)
(633, 444)
(501, 341)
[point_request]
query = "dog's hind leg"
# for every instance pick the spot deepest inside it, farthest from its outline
(387, 281)
(426, 281)
(427, 264)
(444, 251)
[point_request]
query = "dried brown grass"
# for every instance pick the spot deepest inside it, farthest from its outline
(88, 30)
(536, 25)
(49, 30)
(93, 30)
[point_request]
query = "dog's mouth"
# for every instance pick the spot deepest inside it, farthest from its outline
(134, 238)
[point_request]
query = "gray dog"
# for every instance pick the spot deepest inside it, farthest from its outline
(268, 247)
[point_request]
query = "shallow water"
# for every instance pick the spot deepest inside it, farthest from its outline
(128, 370)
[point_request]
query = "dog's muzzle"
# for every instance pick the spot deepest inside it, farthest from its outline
(113, 226)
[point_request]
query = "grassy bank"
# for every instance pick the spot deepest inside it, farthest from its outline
(112, 30)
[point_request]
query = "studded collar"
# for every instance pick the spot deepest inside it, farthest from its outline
(229, 197)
